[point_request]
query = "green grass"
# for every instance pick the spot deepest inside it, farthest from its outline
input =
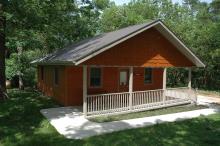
(21, 124)
(155, 112)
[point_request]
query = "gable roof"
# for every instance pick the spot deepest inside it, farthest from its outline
(86, 49)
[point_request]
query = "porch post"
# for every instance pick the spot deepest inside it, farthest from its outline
(164, 83)
(130, 86)
(190, 93)
(85, 90)
(190, 78)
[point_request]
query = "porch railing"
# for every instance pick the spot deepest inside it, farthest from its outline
(138, 101)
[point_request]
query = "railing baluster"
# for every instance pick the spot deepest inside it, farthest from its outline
(95, 97)
(155, 96)
(158, 96)
(134, 99)
(121, 101)
(107, 102)
(146, 97)
(110, 102)
(139, 98)
(142, 98)
(139, 95)
(98, 100)
(116, 102)
(151, 97)
(93, 103)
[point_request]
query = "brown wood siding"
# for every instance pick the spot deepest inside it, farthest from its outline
(70, 88)
(47, 85)
(74, 85)
(149, 48)
(110, 80)
(157, 79)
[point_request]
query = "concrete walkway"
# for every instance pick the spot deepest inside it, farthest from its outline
(70, 122)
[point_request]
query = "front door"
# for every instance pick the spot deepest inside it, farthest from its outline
(123, 80)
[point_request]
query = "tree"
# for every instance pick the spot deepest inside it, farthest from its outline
(44, 26)
(195, 22)
(2, 54)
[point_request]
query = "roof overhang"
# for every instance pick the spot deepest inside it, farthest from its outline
(53, 63)
(169, 35)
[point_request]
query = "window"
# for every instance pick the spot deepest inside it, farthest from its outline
(56, 76)
(95, 77)
(123, 77)
(147, 75)
(42, 72)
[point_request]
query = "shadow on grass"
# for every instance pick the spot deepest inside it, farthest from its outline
(20, 116)
(21, 124)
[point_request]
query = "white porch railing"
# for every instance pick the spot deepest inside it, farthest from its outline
(141, 100)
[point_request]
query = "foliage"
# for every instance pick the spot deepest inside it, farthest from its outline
(27, 69)
(11, 69)
(43, 26)
(120, 17)
(196, 23)
(21, 124)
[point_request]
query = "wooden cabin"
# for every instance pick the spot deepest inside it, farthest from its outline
(119, 71)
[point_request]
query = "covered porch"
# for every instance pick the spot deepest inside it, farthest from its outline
(134, 101)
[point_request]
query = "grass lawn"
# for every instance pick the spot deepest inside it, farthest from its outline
(155, 112)
(21, 124)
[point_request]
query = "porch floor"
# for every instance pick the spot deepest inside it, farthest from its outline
(70, 122)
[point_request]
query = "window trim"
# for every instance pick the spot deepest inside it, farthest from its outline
(101, 78)
(54, 76)
(127, 71)
(151, 76)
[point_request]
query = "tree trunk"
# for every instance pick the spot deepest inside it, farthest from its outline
(20, 75)
(2, 56)
(21, 84)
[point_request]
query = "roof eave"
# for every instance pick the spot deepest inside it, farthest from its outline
(197, 61)
(54, 63)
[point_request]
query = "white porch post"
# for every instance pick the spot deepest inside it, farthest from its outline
(85, 90)
(190, 92)
(164, 83)
(190, 78)
(130, 86)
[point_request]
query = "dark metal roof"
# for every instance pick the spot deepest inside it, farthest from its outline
(77, 51)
